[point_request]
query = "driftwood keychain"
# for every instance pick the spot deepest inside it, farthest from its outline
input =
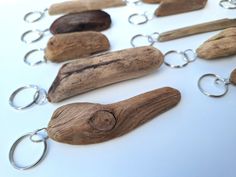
(86, 74)
(69, 46)
(220, 83)
(89, 123)
(228, 4)
(96, 20)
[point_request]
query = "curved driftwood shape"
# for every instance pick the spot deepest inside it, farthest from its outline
(88, 123)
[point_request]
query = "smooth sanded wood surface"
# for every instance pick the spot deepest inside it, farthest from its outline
(68, 46)
(219, 46)
(197, 29)
(83, 5)
(88, 123)
(87, 74)
(171, 7)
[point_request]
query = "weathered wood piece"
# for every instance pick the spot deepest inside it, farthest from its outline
(220, 45)
(152, 1)
(233, 77)
(88, 123)
(95, 20)
(83, 5)
(197, 29)
(86, 74)
(64, 47)
(171, 7)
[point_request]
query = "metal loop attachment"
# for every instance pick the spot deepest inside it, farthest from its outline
(217, 81)
(39, 97)
(151, 39)
(135, 2)
(40, 14)
(139, 18)
(39, 35)
(27, 58)
(228, 4)
(43, 139)
(188, 56)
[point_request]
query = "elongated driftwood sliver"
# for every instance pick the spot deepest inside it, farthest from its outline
(64, 47)
(86, 74)
(88, 123)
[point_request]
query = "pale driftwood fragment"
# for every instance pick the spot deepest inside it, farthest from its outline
(197, 29)
(64, 47)
(233, 77)
(88, 123)
(171, 7)
(220, 45)
(86, 74)
(83, 5)
(152, 1)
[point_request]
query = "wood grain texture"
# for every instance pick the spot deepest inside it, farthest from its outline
(86, 74)
(152, 1)
(88, 123)
(82, 6)
(220, 45)
(64, 47)
(171, 7)
(197, 29)
(96, 20)
(233, 77)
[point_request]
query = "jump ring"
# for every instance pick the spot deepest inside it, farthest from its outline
(176, 66)
(133, 2)
(37, 133)
(38, 32)
(187, 56)
(13, 148)
(151, 42)
(231, 4)
(217, 78)
(136, 15)
(26, 17)
(26, 58)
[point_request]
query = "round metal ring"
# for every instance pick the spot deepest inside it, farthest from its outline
(26, 58)
(133, 2)
(131, 21)
(40, 14)
(187, 56)
(35, 97)
(217, 78)
(231, 4)
(38, 32)
(37, 133)
(151, 42)
(176, 66)
(43, 97)
(13, 148)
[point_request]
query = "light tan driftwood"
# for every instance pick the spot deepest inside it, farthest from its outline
(197, 29)
(88, 123)
(83, 5)
(68, 46)
(86, 74)
(171, 7)
(152, 1)
(220, 45)
(233, 77)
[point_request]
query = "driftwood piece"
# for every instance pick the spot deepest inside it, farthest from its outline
(63, 47)
(82, 6)
(220, 45)
(88, 123)
(86, 74)
(197, 29)
(171, 7)
(233, 77)
(152, 1)
(95, 20)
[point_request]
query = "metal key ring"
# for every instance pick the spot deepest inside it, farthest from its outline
(217, 78)
(35, 97)
(26, 58)
(231, 4)
(187, 56)
(40, 14)
(13, 148)
(146, 19)
(136, 2)
(176, 66)
(151, 42)
(38, 32)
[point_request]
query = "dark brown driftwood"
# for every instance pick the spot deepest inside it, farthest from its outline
(86, 74)
(88, 123)
(152, 1)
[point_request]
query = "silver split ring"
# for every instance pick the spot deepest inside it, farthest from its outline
(27, 55)
(38, 32)
(228, 4)
(133, 22)
(185, 59)
(39, 13)
(149, 39)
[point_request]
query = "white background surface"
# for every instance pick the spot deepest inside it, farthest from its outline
(196, 138)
